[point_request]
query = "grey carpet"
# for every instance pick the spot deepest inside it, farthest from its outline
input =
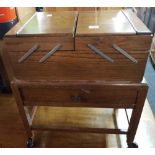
(150, 79)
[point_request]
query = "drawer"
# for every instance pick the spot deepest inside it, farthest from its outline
(81, 65)
(44, 43)
(79, 95)
(128, 43)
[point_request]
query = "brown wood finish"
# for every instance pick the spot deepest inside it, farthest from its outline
(50, 24)
(23, 15)
(45, 43)
(118, 22)
(80, 129)
(78, 95)
(7, 64)
(3, 72)
(21, 109)
(17, 85)
(52, 27)
(81, 65)
(127, 42)
(138, 100)
(136, 114)
(74, 117)
(12, 131)
(103, 22)
(68, 139)
(75, 76)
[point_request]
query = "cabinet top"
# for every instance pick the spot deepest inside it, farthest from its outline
(121, 22)
(84, 23)
(52, 23)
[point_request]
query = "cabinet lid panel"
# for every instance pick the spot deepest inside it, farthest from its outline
(50, 24)
(98, 23)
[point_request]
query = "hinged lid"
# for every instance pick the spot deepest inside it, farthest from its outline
(94, 23)
(50, 24)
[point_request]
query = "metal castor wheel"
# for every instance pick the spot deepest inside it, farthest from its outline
(132, 145)
(30, 143)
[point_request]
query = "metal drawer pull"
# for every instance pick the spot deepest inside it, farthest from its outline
(50, 53)
(28, 53)
(101, 54)
(124, 53)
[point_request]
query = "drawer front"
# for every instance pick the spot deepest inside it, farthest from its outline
(23, 44)
(79, 96)
(128, 43)
(81, 65)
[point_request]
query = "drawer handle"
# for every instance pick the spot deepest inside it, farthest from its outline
(76, 98)
(101, 54)
(120, 50)
(50, 53)
(28, 53)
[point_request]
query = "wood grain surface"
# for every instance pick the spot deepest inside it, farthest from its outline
(103, 22)
(12, 131)
(50, 23)
(109, 22)
(45, 43)
(127, 42)
(78, 95)
(3, 72)
(75, 76)
(79, 65)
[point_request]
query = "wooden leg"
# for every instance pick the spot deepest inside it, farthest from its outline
(20, 105)
(4, 77)
(3, 73)
(115, 111)
(136, 114)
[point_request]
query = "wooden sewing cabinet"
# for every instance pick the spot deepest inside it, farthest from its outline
(79, 59)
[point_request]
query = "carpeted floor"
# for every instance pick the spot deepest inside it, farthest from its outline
(150, 79)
